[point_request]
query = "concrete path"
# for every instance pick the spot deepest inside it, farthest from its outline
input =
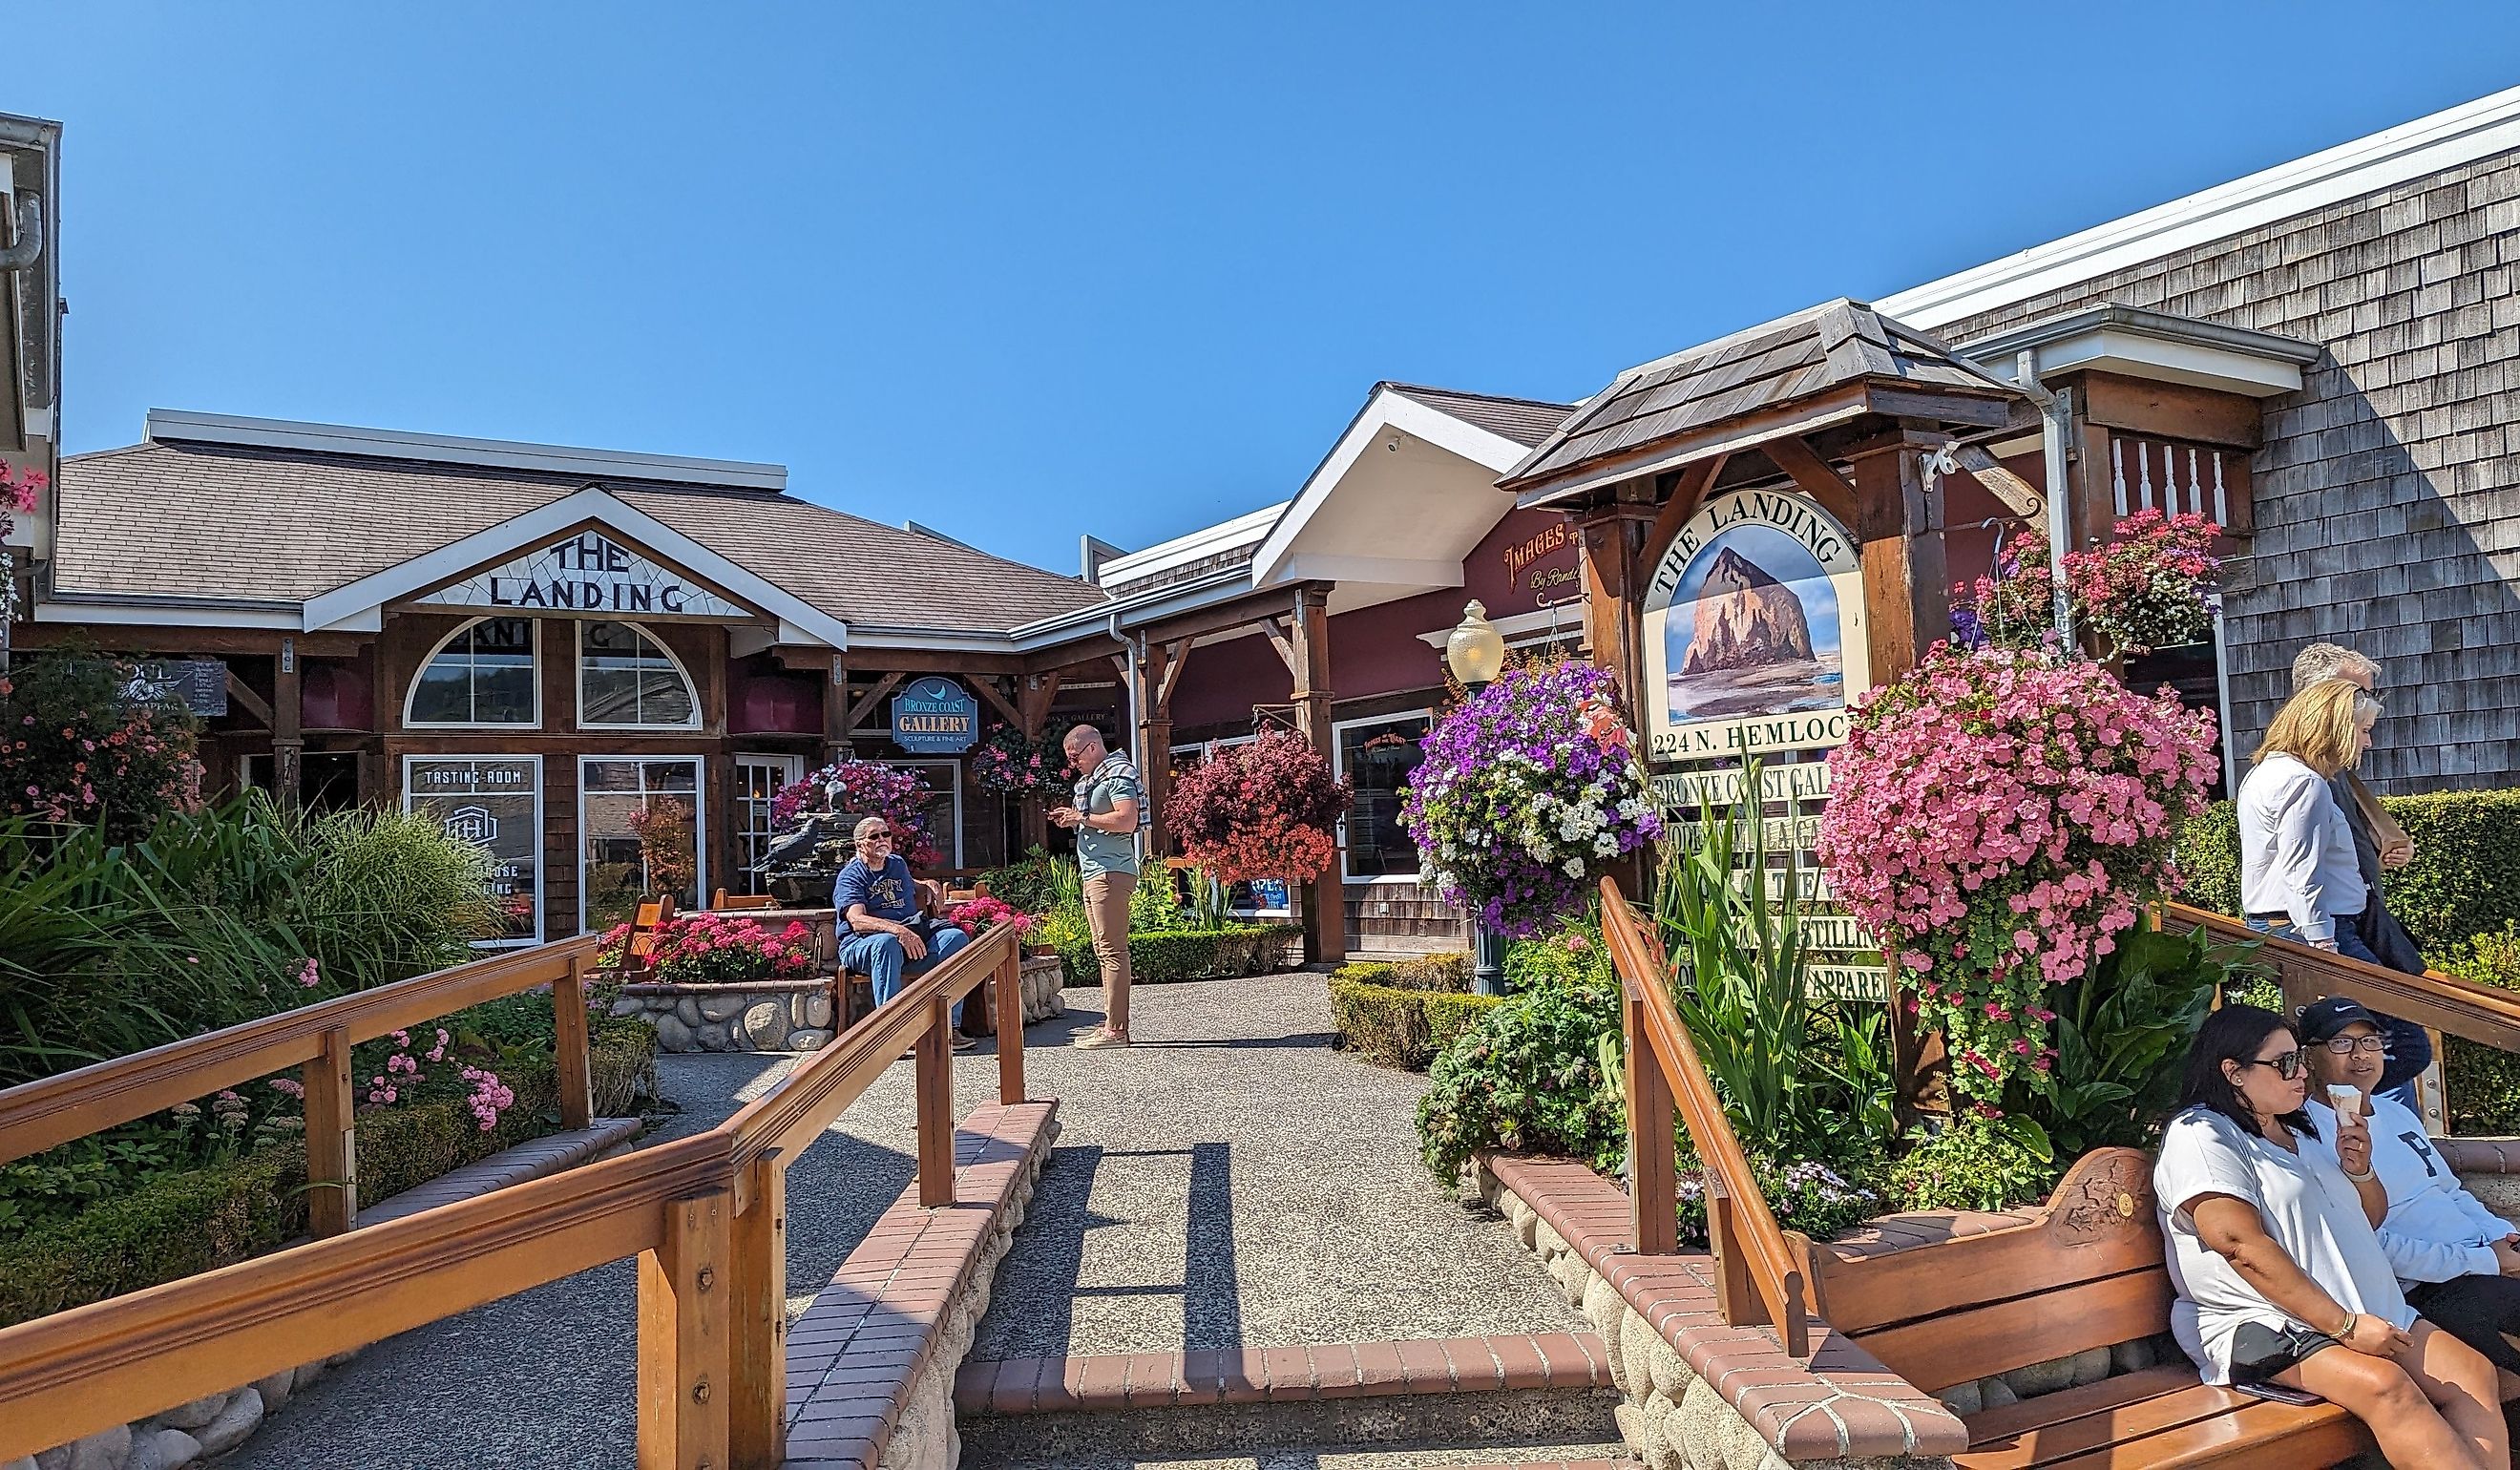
(1229, 1181)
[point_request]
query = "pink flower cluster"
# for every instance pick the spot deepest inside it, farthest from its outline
(856, 788)
(981, 915)
(489, 1097)
(310, 973)
(1996, 818)
(718, 949)
(1006, 762)
(2149, 588)
(402, 1067)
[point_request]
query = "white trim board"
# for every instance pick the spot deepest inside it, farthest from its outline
(2383, 159)
(1388, 410)
(183, 426)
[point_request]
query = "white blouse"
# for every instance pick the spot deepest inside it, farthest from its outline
(2296, 849)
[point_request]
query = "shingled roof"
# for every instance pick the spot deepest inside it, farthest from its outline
(1770, 366)
(215, 522)
(1525, 421)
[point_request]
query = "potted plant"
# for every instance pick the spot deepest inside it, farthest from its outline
(1264, 809)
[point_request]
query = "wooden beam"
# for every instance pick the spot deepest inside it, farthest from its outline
(1176, 658)
(1906, 585)
(1814, 477)
(1325, 897)
(1275, 630)
(2172, 410)
(288, 738)
(1236, 616)
(933, 661)
(836, 726)
(757, 1281)
(1085, 653)
(2018, 495)
(239, 692)
(686, 1352)
(1689, 491)
(118, 637)
(1040, 693)
(987, 689)
(874, 696)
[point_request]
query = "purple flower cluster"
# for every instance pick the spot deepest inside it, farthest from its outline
(1527, 790)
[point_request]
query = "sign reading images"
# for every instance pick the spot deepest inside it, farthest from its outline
(589, 573)
(1754, 631)
(935, 717)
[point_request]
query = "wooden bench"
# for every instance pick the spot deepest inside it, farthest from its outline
(640, 951)
(2085, 1272)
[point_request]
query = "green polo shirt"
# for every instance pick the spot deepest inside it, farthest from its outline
(1098, 852)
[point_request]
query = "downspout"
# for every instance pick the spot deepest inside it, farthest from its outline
(2055, 423)
(28, 246)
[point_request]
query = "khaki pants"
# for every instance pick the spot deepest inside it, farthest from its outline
(1107, 915)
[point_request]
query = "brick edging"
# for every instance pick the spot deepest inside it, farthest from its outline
(1111, 1382)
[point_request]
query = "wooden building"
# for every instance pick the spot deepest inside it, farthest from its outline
(30, 337)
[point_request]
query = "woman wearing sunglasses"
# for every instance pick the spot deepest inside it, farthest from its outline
(2282, 1282)
(2455, 1259)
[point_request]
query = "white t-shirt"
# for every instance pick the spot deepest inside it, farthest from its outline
(2435, 1229)
(2310, 1209)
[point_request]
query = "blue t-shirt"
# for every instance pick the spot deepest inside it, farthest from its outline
(889, 894)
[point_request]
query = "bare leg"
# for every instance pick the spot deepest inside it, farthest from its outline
(2413, 1434)
(2464, 1386)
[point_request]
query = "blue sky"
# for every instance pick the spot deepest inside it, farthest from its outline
(1019, 272)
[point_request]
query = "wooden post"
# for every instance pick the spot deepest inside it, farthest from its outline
(935, 1083)
(836, 714)
(569, 1046)
(1653, 1185)
(757, 1258)
(1011, 1031)
(287, 708)
(1154, 744)
(332, 1141)
(685, 1351)
(1736, 1296)
(1325, 897)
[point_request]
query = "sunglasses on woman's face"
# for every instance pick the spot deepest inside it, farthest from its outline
(2288, 1066)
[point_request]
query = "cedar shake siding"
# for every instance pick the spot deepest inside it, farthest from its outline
(2387, 493)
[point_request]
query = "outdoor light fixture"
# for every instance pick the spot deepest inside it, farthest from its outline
(1475, 653)
(1476, 650)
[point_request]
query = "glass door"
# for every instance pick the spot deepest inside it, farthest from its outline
(639, 824)
(757, 779)
(496, 801)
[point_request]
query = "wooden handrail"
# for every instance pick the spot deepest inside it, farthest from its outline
(2448, 1003)
(702, 1214)
(1741, 1229)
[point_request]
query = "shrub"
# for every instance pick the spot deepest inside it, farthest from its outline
(1398, 1026)
(2464, 880)
(77, 749)
(717, 949)
(1156, 958)
(1977, 1162)
(1431, 972)
(1264, 809)
(2483, 1083)
(1527, 1076)
(1027, 883)
(1807, 1196)
(387, 895)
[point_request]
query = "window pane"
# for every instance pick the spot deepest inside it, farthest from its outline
(482, 676)
(627, 679)
(443, 694)
(1378, 758)
(663, 697)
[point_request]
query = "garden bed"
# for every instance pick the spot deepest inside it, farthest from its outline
(757, 1016)
(1160, 957)
(1403, 1013)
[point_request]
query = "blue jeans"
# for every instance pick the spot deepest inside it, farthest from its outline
(2410, 1050)
(885, 964)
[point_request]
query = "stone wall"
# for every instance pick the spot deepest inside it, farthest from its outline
(781, 1015)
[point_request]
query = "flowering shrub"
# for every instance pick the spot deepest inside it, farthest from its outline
(716, 949)
(1006, 762)
(1527, 789)
(981, 915)
(2149, 588)
(663, 828)
(1998, 817)
(864, 788)
(1807, 1196)
(74, 749)
(1265, 809)
(18, 491)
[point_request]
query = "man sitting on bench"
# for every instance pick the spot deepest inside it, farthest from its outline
(887, 937)
(2282, 1284)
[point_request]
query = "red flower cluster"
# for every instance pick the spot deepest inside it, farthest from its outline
(1262, 810)
(75, 749)
(981, 915)
(1006, 762)
(717, 949)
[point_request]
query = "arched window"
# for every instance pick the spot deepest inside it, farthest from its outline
(483, 674)
(627, 679)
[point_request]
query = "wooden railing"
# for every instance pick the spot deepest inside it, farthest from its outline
(703, 1214)
(1761, 1270)
(2445, 1002)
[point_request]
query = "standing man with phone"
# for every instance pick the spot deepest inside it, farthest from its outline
(1106, 818)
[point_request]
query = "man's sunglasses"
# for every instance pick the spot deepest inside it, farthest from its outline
(2347, 1045)
(2288, 1066)
(875, 838)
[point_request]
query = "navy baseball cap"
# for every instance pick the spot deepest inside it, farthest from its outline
(2322, 1020)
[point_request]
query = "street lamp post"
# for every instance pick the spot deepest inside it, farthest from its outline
(1475, 653)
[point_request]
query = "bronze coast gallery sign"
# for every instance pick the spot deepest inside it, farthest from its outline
(1754, 631)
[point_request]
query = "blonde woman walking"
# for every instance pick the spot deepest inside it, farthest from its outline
(2299, 878)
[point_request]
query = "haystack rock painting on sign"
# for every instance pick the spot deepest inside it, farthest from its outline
(1753, 630)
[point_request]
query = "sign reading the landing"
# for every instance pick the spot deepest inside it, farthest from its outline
(1754, 631)
(590, 575)
(935, 716)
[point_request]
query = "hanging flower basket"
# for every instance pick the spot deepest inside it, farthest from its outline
(857, 789)
(1007, 762)
(1266, 809)
(2150, 587)
(1528, 790)
(1996, 818)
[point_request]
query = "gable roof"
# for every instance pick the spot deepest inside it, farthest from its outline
(250, 526)
(1774, 364)
(1525, 420)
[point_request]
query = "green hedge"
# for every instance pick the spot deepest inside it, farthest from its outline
(182, 1225)
(2464, 880)
(1396, 1025)
(1159, 956)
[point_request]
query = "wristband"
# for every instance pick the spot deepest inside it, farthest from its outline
(2346, 1331)
(2364, 1177)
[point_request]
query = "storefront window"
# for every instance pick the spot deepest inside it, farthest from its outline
(942, 811)
(1377, 755)
(641, 823)
(758, 779)
(484, 675)
(626, 677)
(496, 801)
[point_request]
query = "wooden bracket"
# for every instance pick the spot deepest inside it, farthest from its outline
(875, 696)
(1175, 657)
(987, 689)
(253, 703)
(2017, 494)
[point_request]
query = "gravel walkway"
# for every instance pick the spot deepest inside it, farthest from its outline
(1228, 1182)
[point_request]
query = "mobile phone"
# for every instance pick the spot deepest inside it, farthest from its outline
(2279, 1393)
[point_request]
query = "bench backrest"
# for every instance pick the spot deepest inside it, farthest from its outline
(642, 948)
(730, 902)
(2086, 1272)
